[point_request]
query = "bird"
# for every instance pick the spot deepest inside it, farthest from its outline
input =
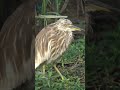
(16, 48)
(52, 41)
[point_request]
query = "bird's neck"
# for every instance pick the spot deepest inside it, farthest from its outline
(68, 37)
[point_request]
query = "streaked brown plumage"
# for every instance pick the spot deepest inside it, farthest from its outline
(16, 60)
(53, 40)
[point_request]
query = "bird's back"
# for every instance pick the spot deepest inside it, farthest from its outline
(50, 43)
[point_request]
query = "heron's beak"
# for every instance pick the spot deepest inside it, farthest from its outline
(74, 28)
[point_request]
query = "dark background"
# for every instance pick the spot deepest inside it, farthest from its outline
(7, 7)
(102, 49)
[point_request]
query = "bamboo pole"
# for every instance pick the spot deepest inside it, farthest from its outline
(50, 16)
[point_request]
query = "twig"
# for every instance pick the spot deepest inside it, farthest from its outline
(50, 16)
(64, 6)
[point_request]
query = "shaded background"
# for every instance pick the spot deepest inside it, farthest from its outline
(7, 7)
(102, 55)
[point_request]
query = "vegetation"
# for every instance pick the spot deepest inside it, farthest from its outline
(102, 58)
(71, 66)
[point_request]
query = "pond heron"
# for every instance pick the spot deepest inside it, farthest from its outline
(52, 41)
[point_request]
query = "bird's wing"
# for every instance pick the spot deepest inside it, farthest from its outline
(15, 47)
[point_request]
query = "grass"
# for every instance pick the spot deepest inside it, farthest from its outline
(71, 66)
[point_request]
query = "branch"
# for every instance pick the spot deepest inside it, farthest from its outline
(64, 6)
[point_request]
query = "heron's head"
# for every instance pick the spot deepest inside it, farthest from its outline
(66, 25)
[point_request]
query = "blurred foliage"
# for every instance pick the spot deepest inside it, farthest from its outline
(115, 4)
(102, 58)
(43, 6)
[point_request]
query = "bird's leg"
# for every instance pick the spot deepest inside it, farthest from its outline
(43, 69)
(58, 72)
